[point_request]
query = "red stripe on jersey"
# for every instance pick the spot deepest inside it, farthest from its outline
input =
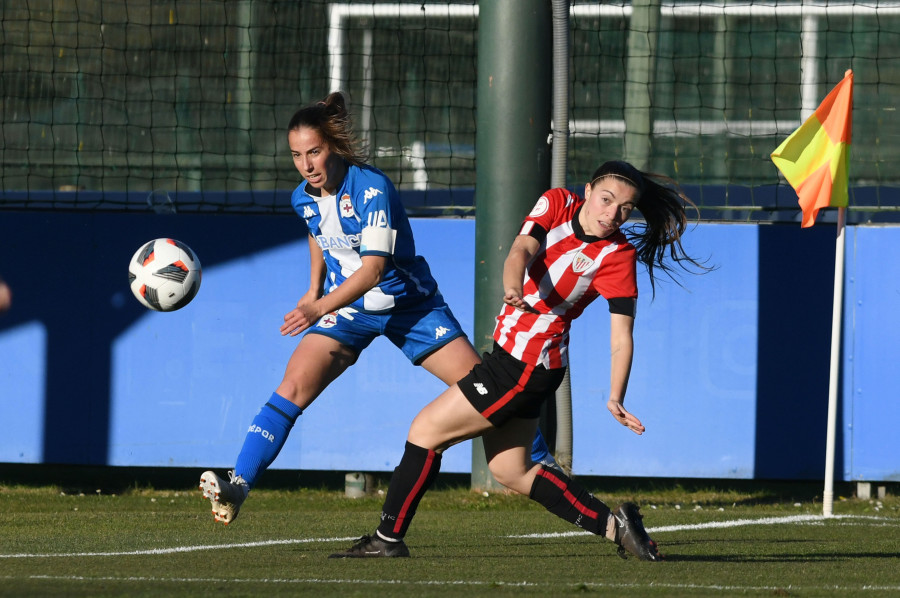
(564, 277)
(507, 397)
(423, 475)
(570, 498)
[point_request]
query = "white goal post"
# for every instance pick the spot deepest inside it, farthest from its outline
(340, 14)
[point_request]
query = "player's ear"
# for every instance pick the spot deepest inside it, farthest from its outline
(587, 191)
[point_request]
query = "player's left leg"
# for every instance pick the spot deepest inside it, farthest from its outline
(316, 362)
(450, 361)
(447, 420)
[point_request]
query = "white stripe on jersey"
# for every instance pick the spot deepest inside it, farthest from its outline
(585, 280)
(376, 300)
(330, 228)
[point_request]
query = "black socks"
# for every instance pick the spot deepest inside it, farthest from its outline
(570, 501)
(411, 479)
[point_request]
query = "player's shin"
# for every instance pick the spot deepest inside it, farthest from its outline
(265, 437)
(570, 501)
(411, 479)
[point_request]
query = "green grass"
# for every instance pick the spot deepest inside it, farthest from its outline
(150, 542)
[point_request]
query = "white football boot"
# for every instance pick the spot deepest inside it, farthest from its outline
(226, 497)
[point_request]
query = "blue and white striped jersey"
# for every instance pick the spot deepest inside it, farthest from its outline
(366, 217)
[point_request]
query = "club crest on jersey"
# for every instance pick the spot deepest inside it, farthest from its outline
(581, 263)
(347, 206)
(328, 320)
(540, 208)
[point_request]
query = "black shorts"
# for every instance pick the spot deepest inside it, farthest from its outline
(501, 387)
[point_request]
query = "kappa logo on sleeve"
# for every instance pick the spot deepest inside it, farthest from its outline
(370, 193)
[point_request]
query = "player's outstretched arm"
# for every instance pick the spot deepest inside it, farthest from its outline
(621, 341)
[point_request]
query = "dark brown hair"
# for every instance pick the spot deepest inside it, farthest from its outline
(660, 200)
(332, 120)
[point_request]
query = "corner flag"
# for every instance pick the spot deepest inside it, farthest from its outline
(815, 158)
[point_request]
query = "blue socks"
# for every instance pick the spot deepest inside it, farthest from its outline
(273, 423)
(266, 436)
(540, 452)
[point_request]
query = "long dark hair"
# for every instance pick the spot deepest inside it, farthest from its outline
(331, 119)
(661, 201)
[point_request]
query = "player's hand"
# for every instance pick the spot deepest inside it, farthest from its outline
(300, 318)
(308, 298)
(623, 417)
(514, 297)
(5, 297)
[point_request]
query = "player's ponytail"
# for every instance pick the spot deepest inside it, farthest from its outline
(331, 119)
(657, 240)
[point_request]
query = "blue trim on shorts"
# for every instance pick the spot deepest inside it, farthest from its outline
(421, 356)
(418, 330)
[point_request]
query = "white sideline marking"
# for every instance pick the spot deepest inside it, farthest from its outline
(152, 551)
(668, 528)
(718, 524)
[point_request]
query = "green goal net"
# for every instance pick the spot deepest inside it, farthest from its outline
(109, 104)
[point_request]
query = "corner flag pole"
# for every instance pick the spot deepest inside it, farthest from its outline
(836, 317)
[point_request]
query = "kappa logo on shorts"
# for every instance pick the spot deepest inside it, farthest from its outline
(479, 387)
(328, 320)
(440, 331)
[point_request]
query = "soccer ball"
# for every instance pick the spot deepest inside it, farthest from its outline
(164, 274)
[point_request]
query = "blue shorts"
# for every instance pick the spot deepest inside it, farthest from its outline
(418, 330)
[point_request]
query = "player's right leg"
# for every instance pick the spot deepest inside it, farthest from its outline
(315, 363)
(568, 500)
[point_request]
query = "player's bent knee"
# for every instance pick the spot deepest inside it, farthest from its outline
(515, 481)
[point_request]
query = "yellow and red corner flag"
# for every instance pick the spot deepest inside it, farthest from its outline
(815, 159)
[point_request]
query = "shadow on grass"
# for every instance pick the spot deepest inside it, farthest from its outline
(706, 492)
(779, 558)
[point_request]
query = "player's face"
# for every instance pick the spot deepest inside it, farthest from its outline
(607, 206)
(322, 169)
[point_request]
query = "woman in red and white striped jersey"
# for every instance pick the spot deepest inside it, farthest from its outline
(569, 251)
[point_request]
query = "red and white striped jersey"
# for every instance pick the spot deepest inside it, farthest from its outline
(570, 270)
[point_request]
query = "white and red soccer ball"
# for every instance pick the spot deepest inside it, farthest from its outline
(164, 274)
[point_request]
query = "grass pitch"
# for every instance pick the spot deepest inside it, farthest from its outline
(718, 542)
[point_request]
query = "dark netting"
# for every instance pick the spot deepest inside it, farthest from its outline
(183, 105)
